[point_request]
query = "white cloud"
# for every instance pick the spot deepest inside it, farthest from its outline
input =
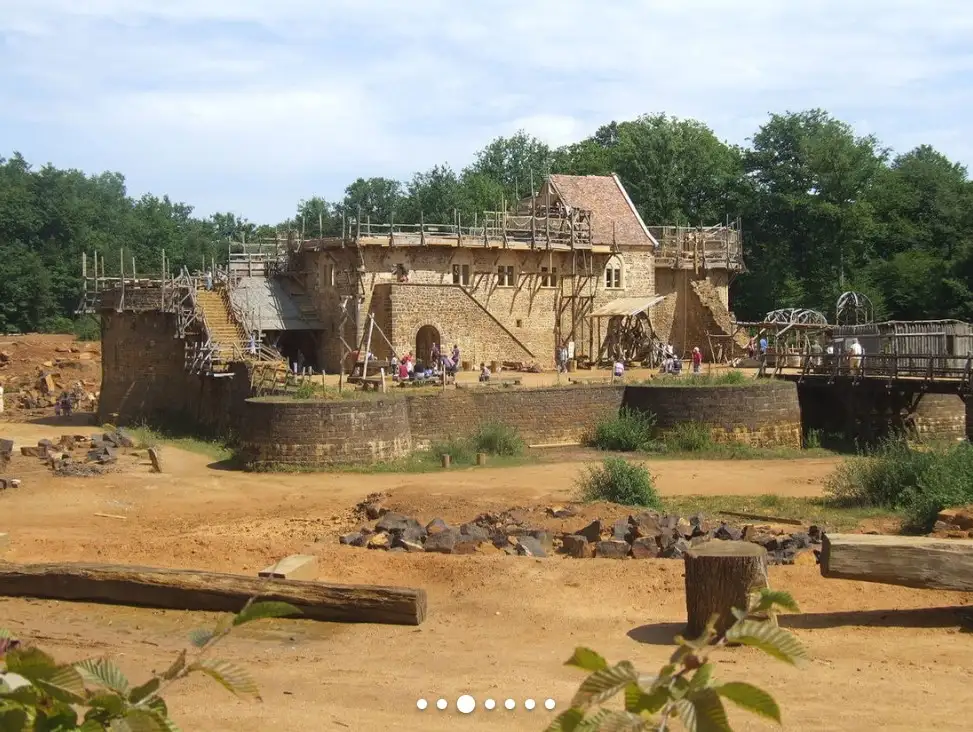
(249, 105)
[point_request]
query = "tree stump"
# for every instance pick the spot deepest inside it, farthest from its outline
(720, 576)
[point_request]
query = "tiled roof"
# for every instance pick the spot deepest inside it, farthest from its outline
(612, 212)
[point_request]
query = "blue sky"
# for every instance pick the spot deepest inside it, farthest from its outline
(250, 105)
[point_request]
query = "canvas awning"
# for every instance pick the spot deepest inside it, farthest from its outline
(626, 306)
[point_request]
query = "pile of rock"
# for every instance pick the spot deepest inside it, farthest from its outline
(649, 535)
(63, 456)
(954, 523)
(645, 535)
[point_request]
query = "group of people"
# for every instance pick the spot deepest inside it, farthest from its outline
(672, 364)
(407, 368)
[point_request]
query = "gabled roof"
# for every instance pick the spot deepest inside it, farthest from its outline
(609, 204)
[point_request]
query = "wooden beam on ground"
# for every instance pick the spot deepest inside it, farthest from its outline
(184, 589)
(909, 561)
(295, 567)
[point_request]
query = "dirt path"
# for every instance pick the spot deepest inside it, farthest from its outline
(498, 626)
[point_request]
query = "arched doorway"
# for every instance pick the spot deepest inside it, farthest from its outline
(425, 338)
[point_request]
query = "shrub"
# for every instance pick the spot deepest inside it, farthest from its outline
(459, 450)
(619, 481)
(628, 431)
(895, 475)
(721, 378)
(688, 437)
(305, 390)
(496, 438)
(87, 328)
(685, 687)
(880, 476)
(94, 695)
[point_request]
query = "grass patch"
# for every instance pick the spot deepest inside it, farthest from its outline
(718, 378)
(818, 511)
(501, 442)
(145, 436)
(628, 431)
(618, 481)
(898, 476)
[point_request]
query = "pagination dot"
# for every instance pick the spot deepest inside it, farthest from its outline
(529, 704)
(422, 704)
(466, 704)
(442, 704)
(510, 704)
(549, 704)
(490, 704)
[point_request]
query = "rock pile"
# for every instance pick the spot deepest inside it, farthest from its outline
(954, 523)
(645, 535)
(64, 458)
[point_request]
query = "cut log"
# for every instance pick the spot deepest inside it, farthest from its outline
(721, 576)
(183, 589)
(909, 561)
(295, 567)
(156, 459)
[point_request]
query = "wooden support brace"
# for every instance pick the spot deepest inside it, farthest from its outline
(295, 567)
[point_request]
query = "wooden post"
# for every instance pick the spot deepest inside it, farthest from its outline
(422, 230)
(368, 345)
(121, 274)
(383, 379)
(721, 576)
(481, 458)
(446, 460)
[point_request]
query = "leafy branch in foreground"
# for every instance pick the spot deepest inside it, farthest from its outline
(37, 693)
(684, 688)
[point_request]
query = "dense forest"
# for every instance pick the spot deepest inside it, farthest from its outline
(823, 210)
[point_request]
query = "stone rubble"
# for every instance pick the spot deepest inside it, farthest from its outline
(644, 535)
(64, 458)
(954, 523)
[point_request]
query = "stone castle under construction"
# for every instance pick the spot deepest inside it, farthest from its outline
(571, 266)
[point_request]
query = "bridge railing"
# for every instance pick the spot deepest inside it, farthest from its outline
(892, 367)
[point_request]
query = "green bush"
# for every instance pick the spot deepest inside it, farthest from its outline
(305, 390)
(688, 437)
(685, 689)
(459, 449)
(496, 438)
(87, 328)
(721, 378)
(619, 481)
(628, 431)
(897, 476)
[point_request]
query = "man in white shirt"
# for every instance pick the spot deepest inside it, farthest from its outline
(856, 352)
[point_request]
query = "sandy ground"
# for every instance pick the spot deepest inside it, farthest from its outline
(498, 626)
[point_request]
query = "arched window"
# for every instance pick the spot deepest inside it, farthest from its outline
(613, 274)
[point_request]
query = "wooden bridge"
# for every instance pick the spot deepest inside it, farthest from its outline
(934, 374)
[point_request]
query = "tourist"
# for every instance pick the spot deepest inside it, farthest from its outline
(697, 359)
(855, 352)
(752, 347)
(209, 280)
(763, 345)
(484, 372)
(456, 356)
(618, 370)
(404, 370)
(252, 345)
(434, 354)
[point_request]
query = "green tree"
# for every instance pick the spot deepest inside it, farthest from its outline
(372, 199)
(517, 163)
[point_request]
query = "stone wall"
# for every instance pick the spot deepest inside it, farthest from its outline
(489, 321)
(542, 416)
(144, 378)
(282, 432)
(941, 417)
(321, 433)
(764, 415)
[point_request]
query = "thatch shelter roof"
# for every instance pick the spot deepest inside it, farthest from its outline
(613, 215)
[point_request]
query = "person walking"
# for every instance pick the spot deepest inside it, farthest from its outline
(697, 359)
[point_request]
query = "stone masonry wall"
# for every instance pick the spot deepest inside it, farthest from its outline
(321, 433)
(527, 308)
(315, 433)
(941, 416)
(765, 415)
(542, 416)
(144, 377)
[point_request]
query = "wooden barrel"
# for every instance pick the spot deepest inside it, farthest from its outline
(572, 365)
